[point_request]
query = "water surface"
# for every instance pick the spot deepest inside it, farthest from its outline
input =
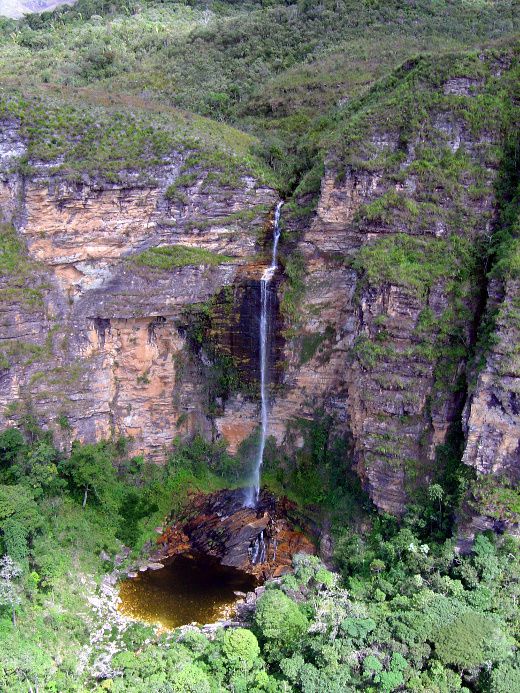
(188, 590)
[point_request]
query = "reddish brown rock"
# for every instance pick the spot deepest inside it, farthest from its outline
(260, 541)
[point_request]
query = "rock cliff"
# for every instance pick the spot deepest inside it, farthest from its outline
(395, 260)
(132, 302)
(492, 425)
(92, 341)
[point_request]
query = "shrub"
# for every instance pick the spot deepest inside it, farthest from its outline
(169, 257)
(416, 263)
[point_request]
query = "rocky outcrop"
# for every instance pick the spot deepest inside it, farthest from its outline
(258, 541)
(492, 422)
(93, 342)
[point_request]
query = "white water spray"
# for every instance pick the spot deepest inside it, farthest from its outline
(253, 491)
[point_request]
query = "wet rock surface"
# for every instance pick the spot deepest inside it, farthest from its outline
(258, 541)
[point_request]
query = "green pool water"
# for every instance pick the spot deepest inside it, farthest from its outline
(189, 590)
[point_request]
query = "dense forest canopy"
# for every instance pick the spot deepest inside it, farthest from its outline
(405, 611)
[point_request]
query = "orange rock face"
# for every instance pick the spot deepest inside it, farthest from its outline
(97, 340)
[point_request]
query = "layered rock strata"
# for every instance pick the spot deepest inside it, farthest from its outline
(395, 270)
(492, 424)
(92, 342)
(259, 541)
(389, 298)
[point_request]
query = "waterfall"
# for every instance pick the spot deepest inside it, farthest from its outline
(258, 549)
(265, 294)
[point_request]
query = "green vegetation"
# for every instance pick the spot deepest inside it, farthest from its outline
(18, 274)
(168, 257)
(11, 251)
(82, 137)
(312, 343)
(205, 324)
(279, 70)
(497, 496)
(471, 640)
(317, 476)
(294, 288)
(117, 92)
(409, 101)
(405, 610)
(384, 208)
(417, 263)
(281, 623)
(504, 248)
(175, 192)
(311, 634)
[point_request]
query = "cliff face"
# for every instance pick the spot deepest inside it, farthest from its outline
(395, 263)
(493, 421)
(91, 339)
(131, 307)
(492, 424)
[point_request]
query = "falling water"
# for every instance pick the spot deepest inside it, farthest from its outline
(258, 549)
(253, 491)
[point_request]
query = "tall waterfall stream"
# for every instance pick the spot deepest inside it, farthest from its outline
(251, 496)
(194, 587)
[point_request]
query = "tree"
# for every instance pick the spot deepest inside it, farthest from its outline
(240, 648)
(39, 467)
(506, 677)
(19, 518)
(330, 610)
(389, 680)
(470, 640)
(90, 468)
(436, 679)
(279, 621)
(436, 494)
(10, 590)
(11, 445)
(25, 665)
(358, 628)
(377, 566)
(393, 678)
(292, 666)
(371, 666)
(190, 679)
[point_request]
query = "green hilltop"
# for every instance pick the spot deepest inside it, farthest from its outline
(282, 72)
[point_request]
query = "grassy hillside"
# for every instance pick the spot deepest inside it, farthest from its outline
(280, 71)
(89, 136)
